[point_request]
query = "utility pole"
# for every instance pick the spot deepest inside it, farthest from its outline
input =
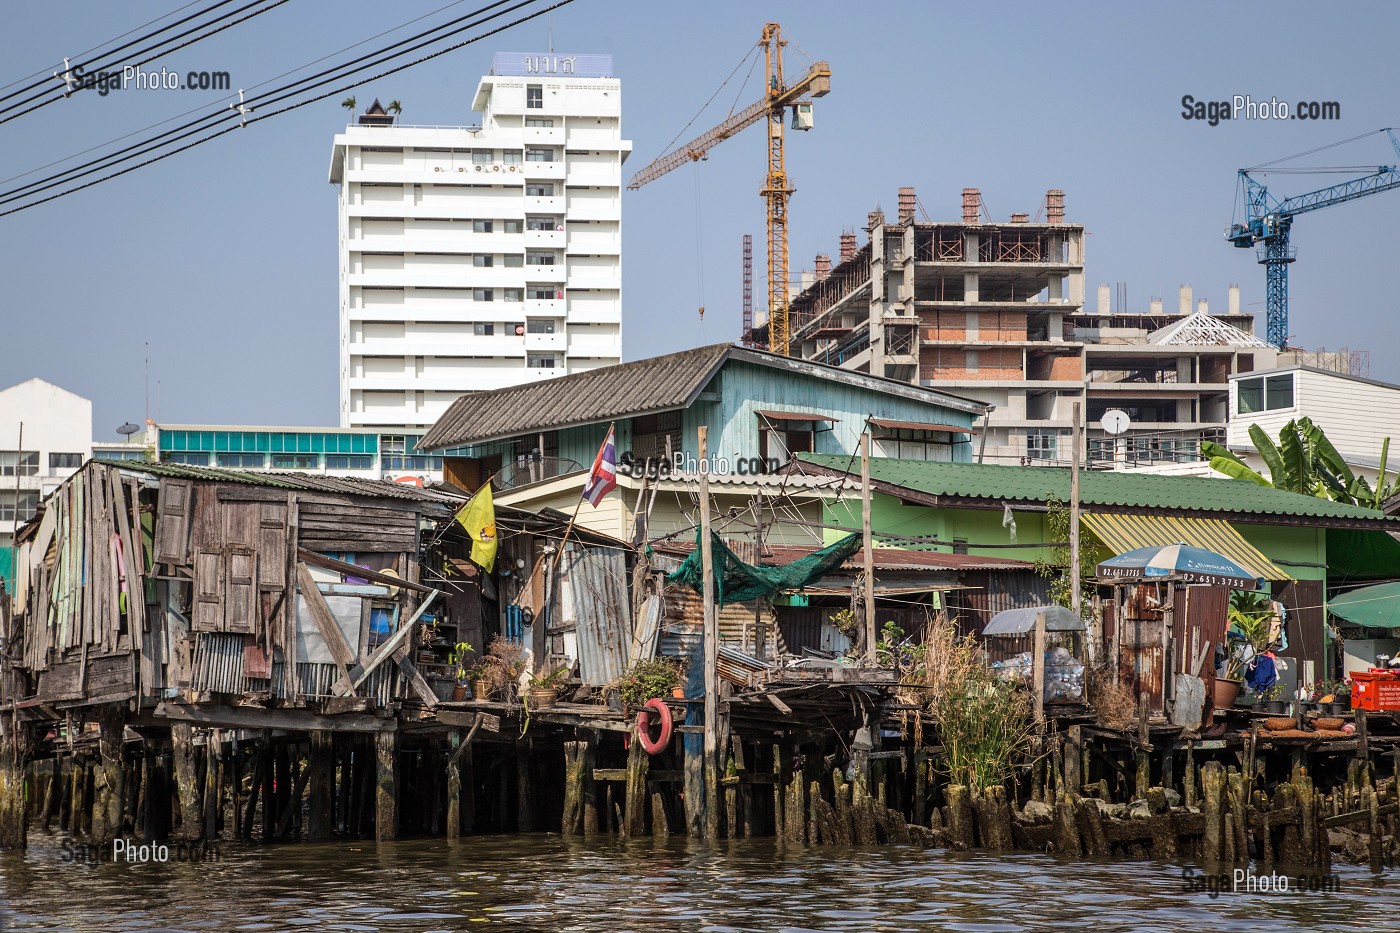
(867, 548)
(711, 646)
(1076, 598)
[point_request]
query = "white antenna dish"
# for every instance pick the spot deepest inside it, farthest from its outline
(1115, 421)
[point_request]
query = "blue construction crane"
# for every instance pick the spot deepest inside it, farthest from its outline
(1267, 221)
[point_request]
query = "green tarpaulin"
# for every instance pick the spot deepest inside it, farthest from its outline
(737, 582)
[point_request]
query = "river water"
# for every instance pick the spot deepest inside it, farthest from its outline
(552, 884)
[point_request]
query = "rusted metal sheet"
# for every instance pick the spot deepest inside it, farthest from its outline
(591, 593)
(1203, 610)
(1140, 646)
(992, 591)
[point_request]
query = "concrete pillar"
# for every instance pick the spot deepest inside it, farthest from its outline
(1234, 299)
(1155, 306)
(1184, 300)
(970, 292)
(1202, 307)
(1105, 298)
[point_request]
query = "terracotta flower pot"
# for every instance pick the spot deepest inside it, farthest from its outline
(1226, 691)
(459, 692)
(542, 697)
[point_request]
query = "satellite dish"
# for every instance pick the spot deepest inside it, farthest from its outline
(1115, 421)
(128, 429)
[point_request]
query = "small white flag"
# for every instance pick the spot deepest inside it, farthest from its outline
(1008, 520)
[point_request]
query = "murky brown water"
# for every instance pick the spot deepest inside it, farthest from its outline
(548, 883)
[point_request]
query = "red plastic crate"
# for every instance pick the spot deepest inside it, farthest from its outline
(1375, 690)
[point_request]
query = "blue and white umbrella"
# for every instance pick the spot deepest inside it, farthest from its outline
(1179, 561)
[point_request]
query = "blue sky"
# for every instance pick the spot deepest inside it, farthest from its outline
(223, 259)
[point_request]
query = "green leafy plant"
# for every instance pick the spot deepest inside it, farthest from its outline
(553, 680)
(984, 724)
(349, 103)
(647, 680)
(1304, 461)
(1272, 694)
(457, 658)
(1056, 568)
(845, 621)
(1249, 634)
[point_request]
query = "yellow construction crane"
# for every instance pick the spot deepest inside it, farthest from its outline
(777, 188)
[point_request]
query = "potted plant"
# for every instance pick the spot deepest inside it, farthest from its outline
(1273, 700)
(1248, 635)
(457, 659)
(544, 690)
(649, 680)
(504, 665)
(480, 683)
(1337, 697)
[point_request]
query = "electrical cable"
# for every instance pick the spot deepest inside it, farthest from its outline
(150, 146)
(49, 70)
(160, 48)
(230, 97)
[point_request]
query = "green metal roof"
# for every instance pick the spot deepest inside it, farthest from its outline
(1107, 490)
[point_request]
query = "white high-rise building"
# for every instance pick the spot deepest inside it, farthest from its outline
(480, 257)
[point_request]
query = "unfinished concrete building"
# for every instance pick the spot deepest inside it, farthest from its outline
(996, 309)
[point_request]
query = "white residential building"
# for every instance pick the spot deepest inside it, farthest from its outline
(1355, 413)
(480, 257)
(56, 429)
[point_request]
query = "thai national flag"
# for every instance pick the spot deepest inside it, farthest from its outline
(603, 477)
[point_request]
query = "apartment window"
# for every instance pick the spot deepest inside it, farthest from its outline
(1040, 446)
(510, 226)
(483, 294)
(21, 463)
(539, 259)
(65, 461)
(253, 461)
(780, 442)
(514, 260)
(539, 155)
(541, 223)
(510, 156)
(513, 294)
(483, 262)
(539, 327)
(18, 506)
(296, 461)
(483, 156)
(542, 293)
(537, 361)
(187, 457)
(538, 121)
(539, 191)
(484, 330)
(1265, 393)
(481, 226)
(534, 97)
(349, 462)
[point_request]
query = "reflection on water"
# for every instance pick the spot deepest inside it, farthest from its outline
(548, 883)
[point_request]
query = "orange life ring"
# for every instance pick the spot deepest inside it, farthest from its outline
(663, 712)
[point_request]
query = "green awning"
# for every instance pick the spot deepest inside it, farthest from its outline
(1361, 555)
(1374, 606)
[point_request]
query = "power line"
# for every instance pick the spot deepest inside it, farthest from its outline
(223, 115)
(524, 19)
(230, 97)
(45, 71)
(84, 65)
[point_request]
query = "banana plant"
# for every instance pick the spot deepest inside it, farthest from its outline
(1305, 461)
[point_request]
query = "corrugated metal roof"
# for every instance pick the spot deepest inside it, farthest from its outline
(794, 416)
(1123, 533)
(1097, 488)
(661, 383)
(920, 426)
(657, 384)
(309, 482)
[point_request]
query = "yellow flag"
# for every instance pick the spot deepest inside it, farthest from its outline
(478, 517)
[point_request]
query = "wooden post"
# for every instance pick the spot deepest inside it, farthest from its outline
(186, 781)
(526, 820)
(578, 775)
(867, 546)
(213, 755)
(1074, 758)
(386, 812)
(110, 783)
(321, 810)
(1038, 671)
(634, 812)
(1213, 800)
(1076, 598)
(711, 629)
